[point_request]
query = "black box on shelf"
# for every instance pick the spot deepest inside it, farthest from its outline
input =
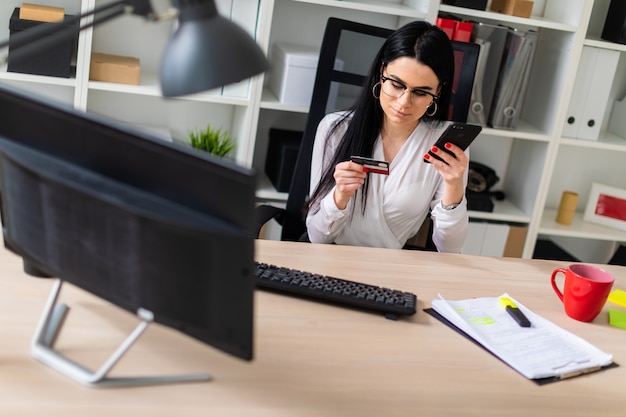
(282, 153)
(547, 249)
(614, 29)
(54, 60)
(468, 4)
(619, 257)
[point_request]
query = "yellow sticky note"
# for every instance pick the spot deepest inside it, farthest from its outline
(617, 318)
(618, 297)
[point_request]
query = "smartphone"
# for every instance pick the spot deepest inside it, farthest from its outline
(372, 165)
(461, 134)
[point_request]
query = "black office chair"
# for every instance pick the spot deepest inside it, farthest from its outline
(338, 45)
(347, 52)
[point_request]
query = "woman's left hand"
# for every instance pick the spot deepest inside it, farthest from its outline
(452, 170)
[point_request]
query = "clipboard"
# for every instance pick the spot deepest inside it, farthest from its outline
(557, 376)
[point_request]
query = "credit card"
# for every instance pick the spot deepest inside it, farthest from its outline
(372, 165)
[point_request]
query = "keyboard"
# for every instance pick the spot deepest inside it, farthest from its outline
(391, 302)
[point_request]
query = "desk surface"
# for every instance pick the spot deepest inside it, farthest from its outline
(311, 359)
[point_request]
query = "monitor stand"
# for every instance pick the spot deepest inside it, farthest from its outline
(46, 334)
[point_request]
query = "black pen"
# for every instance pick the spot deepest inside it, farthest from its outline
(514, 312)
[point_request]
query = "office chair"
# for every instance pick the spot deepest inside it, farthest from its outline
(347, 52)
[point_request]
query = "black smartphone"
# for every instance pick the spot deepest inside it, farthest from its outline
(372, 165)
(461, 134)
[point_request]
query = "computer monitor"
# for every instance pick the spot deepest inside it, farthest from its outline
(140, 222)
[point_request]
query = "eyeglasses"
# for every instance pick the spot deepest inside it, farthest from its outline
(396, 89)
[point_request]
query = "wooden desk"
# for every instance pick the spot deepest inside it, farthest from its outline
(312, 359)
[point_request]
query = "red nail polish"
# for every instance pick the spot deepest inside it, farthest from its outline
(434, 149)
(448, 145)
(426, 156)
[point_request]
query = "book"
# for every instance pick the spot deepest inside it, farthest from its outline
(543, 352)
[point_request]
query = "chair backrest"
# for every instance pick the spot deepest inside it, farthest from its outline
(347, 52)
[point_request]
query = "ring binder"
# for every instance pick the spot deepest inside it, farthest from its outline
(513, 78)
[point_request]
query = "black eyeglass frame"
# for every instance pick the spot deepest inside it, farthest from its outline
(406, 87)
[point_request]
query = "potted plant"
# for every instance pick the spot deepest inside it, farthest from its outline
(215, 141)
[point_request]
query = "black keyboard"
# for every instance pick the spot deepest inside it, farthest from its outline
(336, 290)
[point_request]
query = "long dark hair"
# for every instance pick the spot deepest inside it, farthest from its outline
(420, 40)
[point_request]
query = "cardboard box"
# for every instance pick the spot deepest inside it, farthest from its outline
(520, 8)
(54, 60)
(114, 68)
(514, 247)
(293, 74)
(41, 13)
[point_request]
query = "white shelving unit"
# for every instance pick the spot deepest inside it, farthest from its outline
(534, 162)
(578, 163)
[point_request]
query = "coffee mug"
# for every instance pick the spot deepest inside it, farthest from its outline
(585, 290)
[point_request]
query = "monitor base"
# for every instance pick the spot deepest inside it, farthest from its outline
(47, 332)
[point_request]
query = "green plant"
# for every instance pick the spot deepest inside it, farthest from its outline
(214, 141)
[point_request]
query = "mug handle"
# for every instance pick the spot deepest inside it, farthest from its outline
(552, 281)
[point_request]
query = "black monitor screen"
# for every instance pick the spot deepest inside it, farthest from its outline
(138, 221)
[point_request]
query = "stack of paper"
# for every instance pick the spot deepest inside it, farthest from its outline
(542, 350)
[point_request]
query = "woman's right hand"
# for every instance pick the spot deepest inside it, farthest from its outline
(349, 177)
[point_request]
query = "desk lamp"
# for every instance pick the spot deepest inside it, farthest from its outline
(205, 52)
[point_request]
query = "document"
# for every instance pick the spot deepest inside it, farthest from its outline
(543, 350)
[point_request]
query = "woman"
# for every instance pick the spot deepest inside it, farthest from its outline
(398, 117)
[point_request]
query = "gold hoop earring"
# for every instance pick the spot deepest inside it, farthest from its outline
(434, 111)
(374, 90)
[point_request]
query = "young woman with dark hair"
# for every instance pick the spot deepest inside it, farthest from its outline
(399, 115)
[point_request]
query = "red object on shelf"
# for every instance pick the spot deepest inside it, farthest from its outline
(462, 31)
(610, 206)
(447, 25)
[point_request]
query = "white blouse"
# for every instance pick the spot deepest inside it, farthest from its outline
(397, 204)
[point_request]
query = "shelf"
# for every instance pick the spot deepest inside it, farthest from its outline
(504, 19)
(38, 79)
(607, 141)
(266, 190)
(270, 101)
(503, 211)
(578, 229)
(150, 87)
(372, 6)
(601, 43)
(524, 131)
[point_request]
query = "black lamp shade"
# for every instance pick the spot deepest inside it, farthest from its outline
(208, 51)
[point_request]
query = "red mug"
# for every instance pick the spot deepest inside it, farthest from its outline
(585, 290)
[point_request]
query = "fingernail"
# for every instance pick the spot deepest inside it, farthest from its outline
(434, 149)
(426, 156)
(448, 145)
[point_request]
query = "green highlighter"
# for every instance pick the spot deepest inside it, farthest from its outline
(617, 318)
